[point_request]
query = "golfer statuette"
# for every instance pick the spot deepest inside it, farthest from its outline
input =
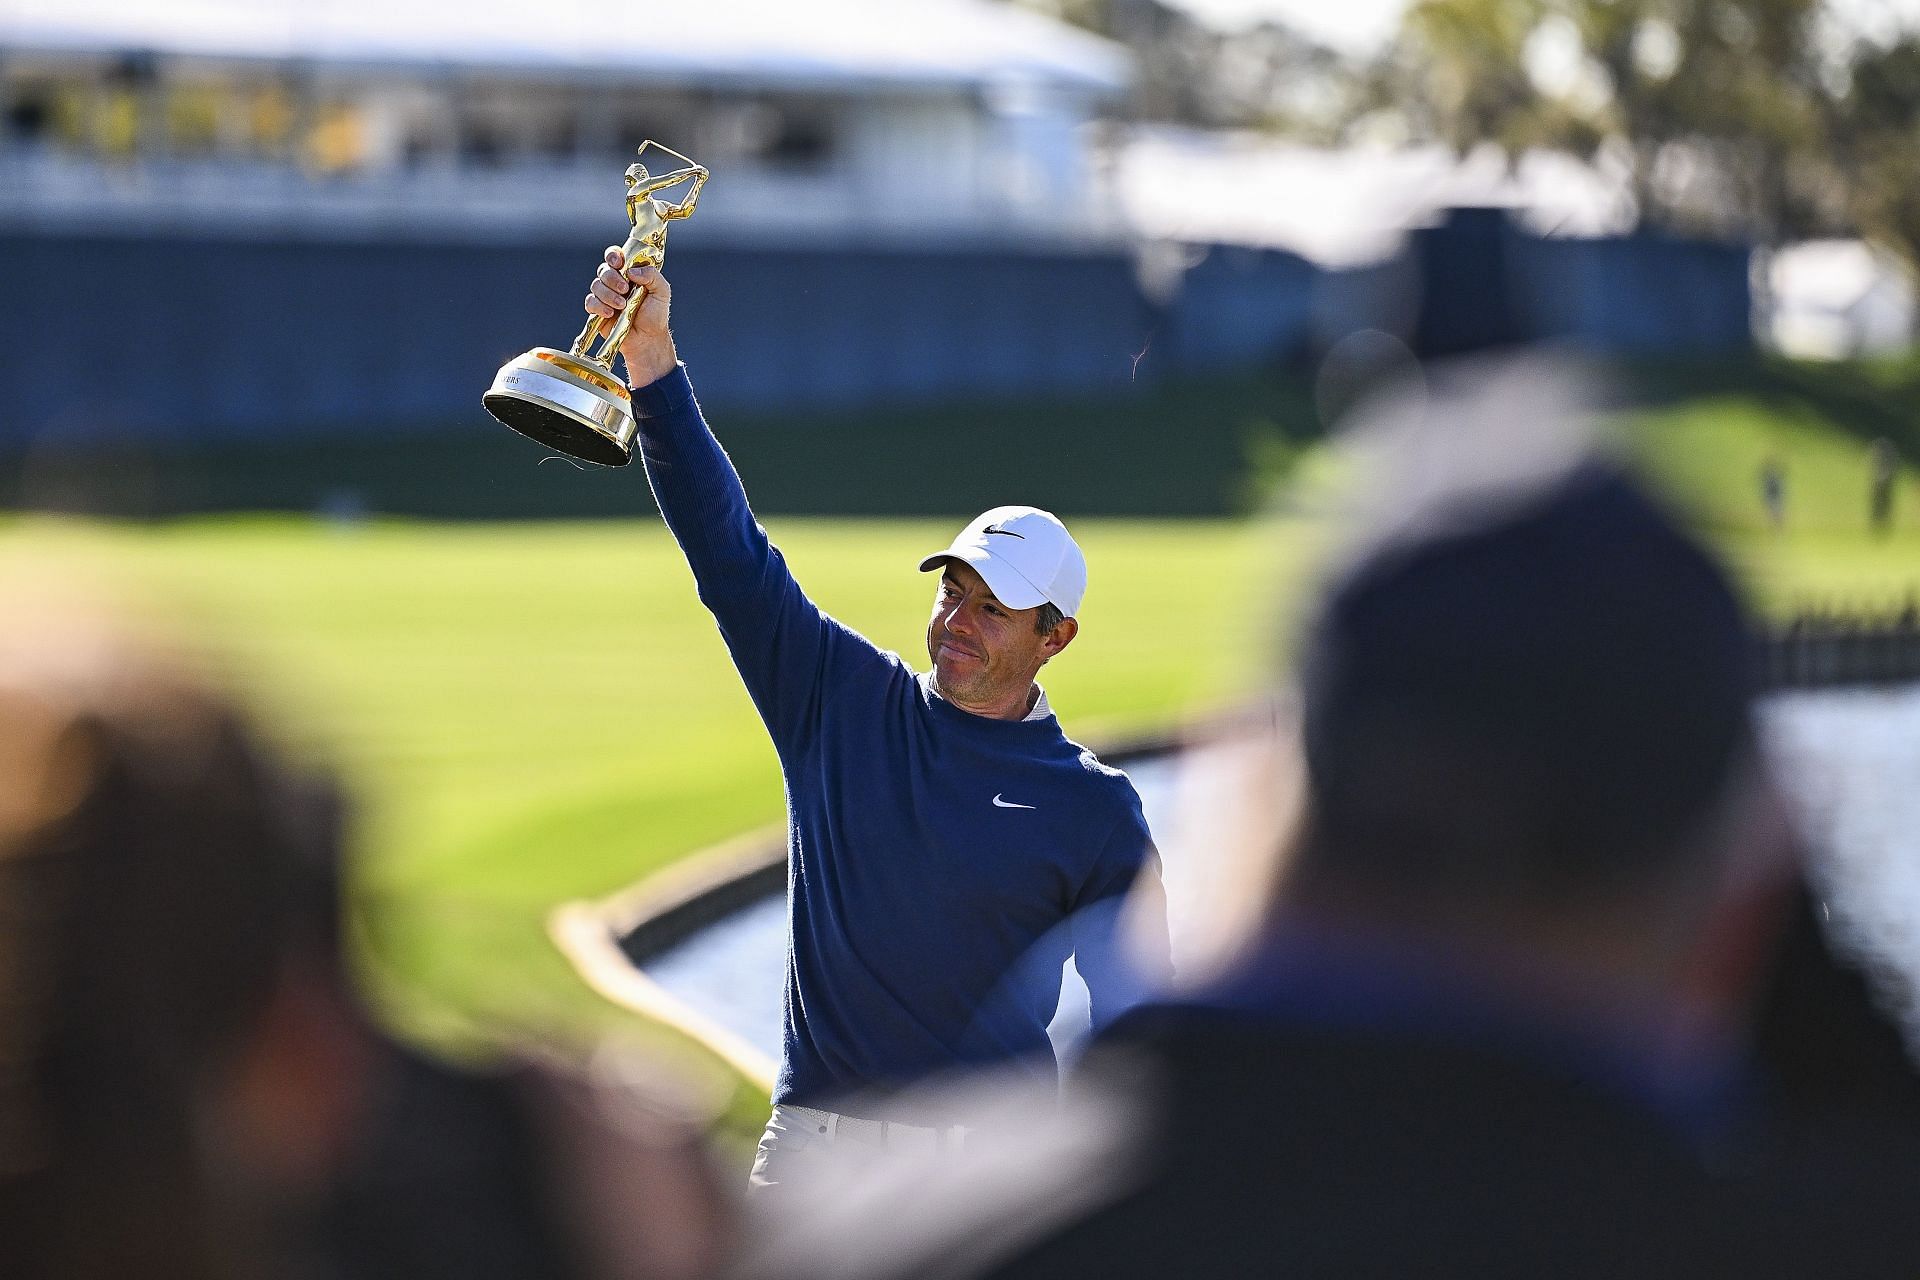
(572, 400)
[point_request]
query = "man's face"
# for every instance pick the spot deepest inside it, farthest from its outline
(982, 651)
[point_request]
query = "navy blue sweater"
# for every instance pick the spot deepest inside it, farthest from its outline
(927, 924)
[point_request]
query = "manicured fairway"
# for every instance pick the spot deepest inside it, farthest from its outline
(532, 713)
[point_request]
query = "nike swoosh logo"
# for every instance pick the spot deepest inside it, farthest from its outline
(1006, 533)
(1008, 804)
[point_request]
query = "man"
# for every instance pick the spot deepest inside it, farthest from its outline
(949, 846)
(1883, 464)
(1494, 1022)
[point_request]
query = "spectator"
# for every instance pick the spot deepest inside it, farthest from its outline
(1883, 464)
(1773, 492)
(188, 1088)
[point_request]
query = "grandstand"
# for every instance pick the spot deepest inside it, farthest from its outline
(346, 215)
(834, 121)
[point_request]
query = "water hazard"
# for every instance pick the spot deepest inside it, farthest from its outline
(1851, 758)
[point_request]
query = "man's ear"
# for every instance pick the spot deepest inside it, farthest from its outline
(1060, 637)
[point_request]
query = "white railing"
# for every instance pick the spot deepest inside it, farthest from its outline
(52, 191)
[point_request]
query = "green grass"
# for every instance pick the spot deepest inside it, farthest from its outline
(1711, 452)
(531, 713)
(1706, 431)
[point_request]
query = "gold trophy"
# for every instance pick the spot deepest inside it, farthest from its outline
(573, 401)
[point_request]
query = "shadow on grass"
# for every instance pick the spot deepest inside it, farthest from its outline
(1863, 399)
(1171, 449)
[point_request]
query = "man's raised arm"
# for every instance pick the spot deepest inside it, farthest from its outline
(781, 643)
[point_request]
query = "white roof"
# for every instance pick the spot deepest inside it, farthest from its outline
(1348, 206)
(784, 43)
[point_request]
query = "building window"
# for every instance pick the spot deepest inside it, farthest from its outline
(800, 139)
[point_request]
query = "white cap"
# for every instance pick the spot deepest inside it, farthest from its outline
(1026, 555)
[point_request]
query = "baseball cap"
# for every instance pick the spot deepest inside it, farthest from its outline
(1026, 555)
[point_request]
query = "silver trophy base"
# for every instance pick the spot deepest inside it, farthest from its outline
(567, 404)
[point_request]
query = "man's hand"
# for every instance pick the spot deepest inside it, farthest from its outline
(648, 349)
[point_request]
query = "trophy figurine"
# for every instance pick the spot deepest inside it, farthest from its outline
(572, 400)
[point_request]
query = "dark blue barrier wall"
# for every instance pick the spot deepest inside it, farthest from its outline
(772, 330)
(1473, 294)
(1486, 283)
(202, 339)
(1639, 295)
(182, 340)
(1240, 307)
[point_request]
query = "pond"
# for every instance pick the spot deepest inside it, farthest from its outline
(1851, 759)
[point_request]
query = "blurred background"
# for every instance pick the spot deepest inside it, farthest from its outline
(1129, 260)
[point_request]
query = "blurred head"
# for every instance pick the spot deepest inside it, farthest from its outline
(1532, 709)
(188, 1087)
(159, 871)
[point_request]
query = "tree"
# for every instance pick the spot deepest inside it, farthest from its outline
(1266, 76)
(1875, 134)
(1716, 111)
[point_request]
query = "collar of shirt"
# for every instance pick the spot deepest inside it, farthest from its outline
(1039, 711)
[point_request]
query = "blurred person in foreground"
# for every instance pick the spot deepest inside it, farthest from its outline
(1498, 1019)
(188, 1087)
(949, 846)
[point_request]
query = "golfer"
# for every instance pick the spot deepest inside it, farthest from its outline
(948, 845)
